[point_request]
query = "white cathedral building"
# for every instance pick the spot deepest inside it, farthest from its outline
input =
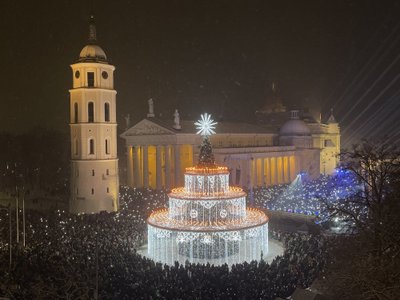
(257, 155)
(93, 125)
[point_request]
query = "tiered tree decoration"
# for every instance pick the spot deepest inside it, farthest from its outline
(205, 128)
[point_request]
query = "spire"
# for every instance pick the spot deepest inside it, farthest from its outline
(127, 121)
(150, 114)
(92, 31)
(331, 118)
(92, 52)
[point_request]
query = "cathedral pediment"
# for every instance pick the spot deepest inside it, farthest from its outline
(147, 127)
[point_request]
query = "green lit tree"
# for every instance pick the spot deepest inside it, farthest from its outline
(206, 156)
(205, 127)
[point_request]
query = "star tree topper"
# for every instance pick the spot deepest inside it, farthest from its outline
(206, 125)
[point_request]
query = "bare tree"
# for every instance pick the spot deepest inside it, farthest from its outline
(366, 264)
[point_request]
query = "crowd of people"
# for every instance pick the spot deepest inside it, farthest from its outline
(306, 196)
(79, 256)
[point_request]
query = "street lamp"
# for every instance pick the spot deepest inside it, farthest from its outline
(23, 210)
(10, 242)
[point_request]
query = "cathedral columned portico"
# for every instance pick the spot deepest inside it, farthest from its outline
(157, 166)
(157, 154)
(161, 166)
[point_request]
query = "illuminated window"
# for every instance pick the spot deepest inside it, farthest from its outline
(91, 146)
(90, 112)
(75, 112)
(107, 146)
(107, 112)
(90, 79)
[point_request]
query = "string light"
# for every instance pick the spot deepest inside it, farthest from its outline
(207, 222)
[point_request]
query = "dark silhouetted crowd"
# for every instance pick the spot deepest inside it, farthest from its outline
(82, 256)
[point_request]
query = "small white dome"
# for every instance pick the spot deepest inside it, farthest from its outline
(92, 53)
(295, 127)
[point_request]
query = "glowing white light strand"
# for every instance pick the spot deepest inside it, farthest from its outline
(207, 221)
(206, 125)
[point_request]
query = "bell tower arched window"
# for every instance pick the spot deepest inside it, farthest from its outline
(91, 146)
(75, 112)
(107, 146)
(90, 79)
(107, 112)
(90, 112)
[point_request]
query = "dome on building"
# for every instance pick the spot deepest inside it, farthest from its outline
(294, 127)
(92, 53)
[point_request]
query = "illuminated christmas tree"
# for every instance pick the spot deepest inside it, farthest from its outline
(206, 157)
(207, 220)
(205, 128)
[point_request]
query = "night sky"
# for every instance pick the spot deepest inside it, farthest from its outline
(215, 56)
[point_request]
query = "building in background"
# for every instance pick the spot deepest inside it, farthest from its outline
(264, 154)
(94, 162)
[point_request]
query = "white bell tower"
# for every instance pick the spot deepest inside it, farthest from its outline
(93, 124)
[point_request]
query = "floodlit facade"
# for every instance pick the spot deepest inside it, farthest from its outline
(263, 154)
(93, 125)
(207, 221)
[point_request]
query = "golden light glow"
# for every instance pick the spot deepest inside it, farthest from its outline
(254, 217)
(267, 172)
(207, 170)
(163, 168)
(280, 177)
(186, 157)
(292, 167)
(180, 193)
(131, 166)
(169, 180)
(285, 169)
(151, 150)
(274, 180)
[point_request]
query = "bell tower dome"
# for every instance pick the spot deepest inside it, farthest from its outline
(93, 127)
